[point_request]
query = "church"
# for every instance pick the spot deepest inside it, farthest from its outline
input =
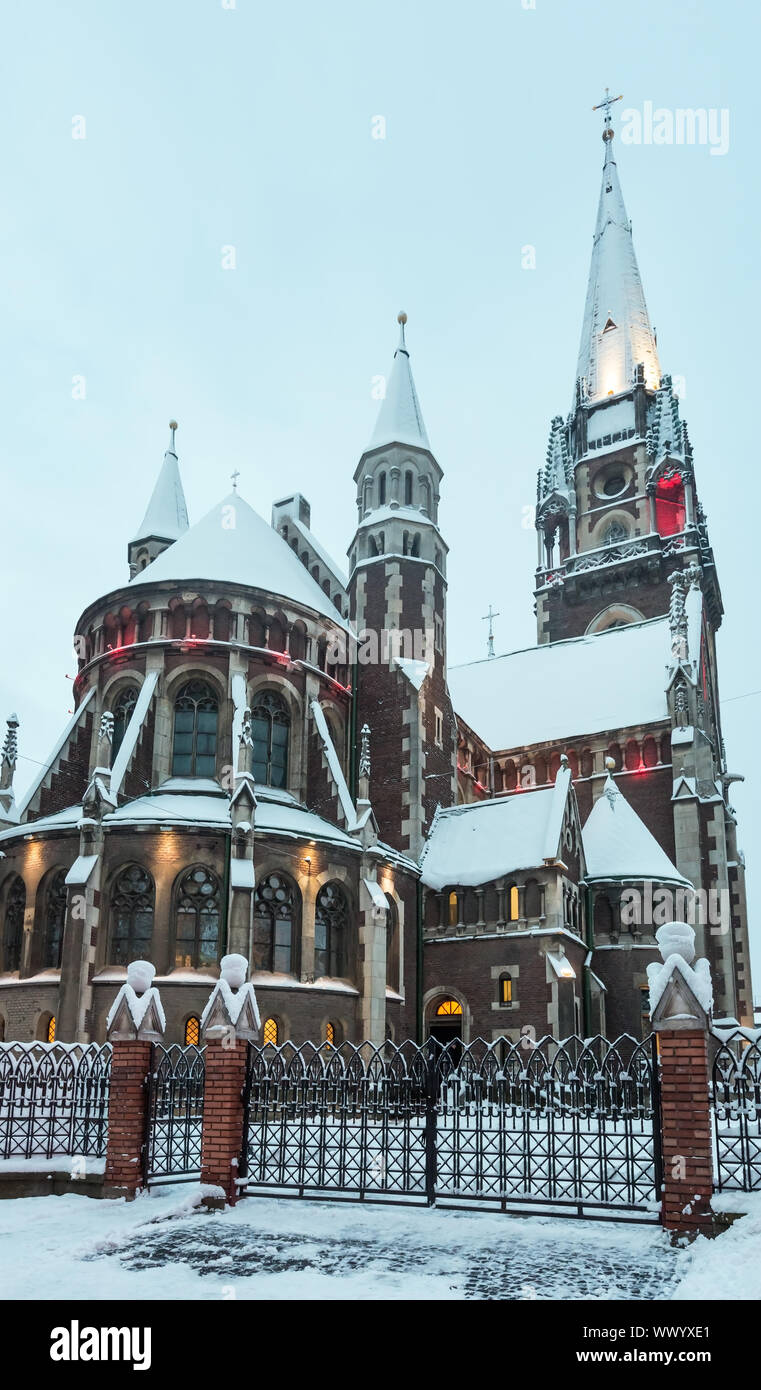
(272, 757)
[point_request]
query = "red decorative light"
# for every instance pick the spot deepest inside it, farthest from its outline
(669, 506)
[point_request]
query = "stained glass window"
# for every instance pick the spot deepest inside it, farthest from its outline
(330, 925)
(131, 915)
(270, 1032)
(275, 922)
(14, 924)
(198, 919)
(55, 919)
(192, 1031)
(125, 704)
(447, 1007)
(50, 1034)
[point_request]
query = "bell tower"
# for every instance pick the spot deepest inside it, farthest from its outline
(617, 507)
(397, 593)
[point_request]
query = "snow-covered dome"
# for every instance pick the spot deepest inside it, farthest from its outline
(232, 544)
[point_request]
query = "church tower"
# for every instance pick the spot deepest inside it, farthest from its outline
(397, 592)
(617, 506)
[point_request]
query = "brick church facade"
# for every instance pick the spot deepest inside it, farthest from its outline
(270, 757)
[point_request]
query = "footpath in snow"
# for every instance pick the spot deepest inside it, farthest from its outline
(162, 1247)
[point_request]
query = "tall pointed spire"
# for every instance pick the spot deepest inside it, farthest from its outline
(616, 335)
(166, 517)
(400, 420)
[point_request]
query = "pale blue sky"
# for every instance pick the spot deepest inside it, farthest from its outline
(208, 127)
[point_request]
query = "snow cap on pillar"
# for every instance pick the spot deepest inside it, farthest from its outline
(136, 1014)
(400, 420)
(232, 1012)
(681, 994)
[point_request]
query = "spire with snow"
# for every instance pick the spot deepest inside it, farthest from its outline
(166, 518)
(616, 335)
(8, 756)
(400, 420)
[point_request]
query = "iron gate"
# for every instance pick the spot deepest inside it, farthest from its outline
(172, 1146)
(53, 1099)
(568, 1125)
(736, 1096)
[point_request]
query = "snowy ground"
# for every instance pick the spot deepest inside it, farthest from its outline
(162, 1247)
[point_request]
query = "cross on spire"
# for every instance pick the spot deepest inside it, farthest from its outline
(489, 618)
(235, 476)
(606, 104)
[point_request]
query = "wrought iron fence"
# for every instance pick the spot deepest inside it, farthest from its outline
(736, 1098)
(174, 1113)
(53, 1099)
(569, 1125)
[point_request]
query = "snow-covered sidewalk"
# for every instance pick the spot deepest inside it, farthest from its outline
(162, 1247)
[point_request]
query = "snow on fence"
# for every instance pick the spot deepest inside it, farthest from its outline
(567, 1123)
(736, 1105)
(53, 1099)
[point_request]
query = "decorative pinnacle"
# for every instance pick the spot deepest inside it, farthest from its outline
(401, 319)
(605, 106)
(10, 745)
(172, 427)
(364, 755)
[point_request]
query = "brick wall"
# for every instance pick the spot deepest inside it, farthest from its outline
(130, 1064)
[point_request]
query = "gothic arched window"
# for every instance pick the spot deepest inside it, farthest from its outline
(275, 925)
(55, 918)
(382, 490)
(392, 944)
(408, 488)
(614, 534)
(198, 918)
(14, 924)
(131, 915)
(270, 1033)
(192, 1031)
(270, 729)
(331, 921)
(125, 704)
(196, 712)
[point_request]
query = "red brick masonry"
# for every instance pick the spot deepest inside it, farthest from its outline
(222, 1139)
(128, 1099)
(687, 1155)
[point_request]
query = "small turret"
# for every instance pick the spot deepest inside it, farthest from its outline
(166, 518)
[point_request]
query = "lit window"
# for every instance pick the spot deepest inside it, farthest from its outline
(512, 903)
(193, 1031)
(505, 989)
(330, 1034)
(270, 1032)
(453, 910)
(447, 1007)
(50, 1036)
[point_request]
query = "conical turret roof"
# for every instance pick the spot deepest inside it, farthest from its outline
(166, 517)
(400, 420)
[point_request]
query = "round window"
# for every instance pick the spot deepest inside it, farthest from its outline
(613, 480)
(614, 484)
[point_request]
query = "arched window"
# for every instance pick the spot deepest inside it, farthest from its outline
(669, 506)
(506, 989)
(513, 903)
(51, 1029)
(330, 1034)
(454, 910)
(131, 915)
(45, 1028)
(55, 918)
(193, 1031)
(270, 1033)
(392, 944)
(257, 634)
(331, 921)
(14, 924)
(614, 534)
(447, 1008)
(408, 488)
(382, 490)
(533, 898)
(125, 704)
(198, 919)
(195, 731)
(275, 924)
(270, 729)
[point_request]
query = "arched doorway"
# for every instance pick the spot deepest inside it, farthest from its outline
(445, 1019)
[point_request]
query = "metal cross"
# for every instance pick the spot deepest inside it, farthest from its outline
(606, 104)
(235, 476)
(489, 618)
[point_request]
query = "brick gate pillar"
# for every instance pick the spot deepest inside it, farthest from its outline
(229, 1022)
(135, 1022)
(680, 997)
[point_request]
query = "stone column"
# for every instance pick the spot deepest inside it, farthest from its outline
(136, 1021)
(681, 1020)
(230, 1022)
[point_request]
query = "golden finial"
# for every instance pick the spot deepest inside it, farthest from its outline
(401, 318)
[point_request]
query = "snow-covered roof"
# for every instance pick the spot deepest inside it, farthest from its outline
(616, 332)
(167, 515)
(295, 524)
(561, 690)
(400, 420)
(618, 845)
(232, 544)
(474, 844)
